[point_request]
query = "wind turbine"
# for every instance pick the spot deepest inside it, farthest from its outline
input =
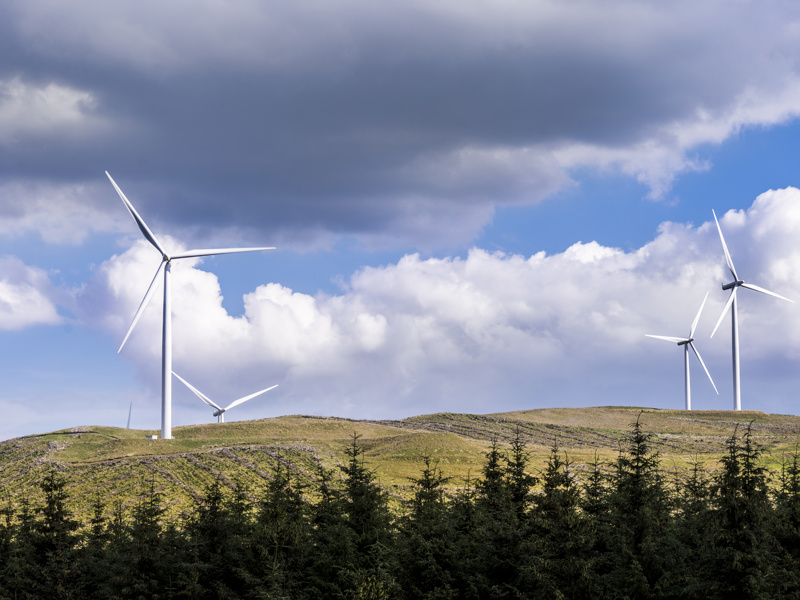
(686, 343)
(733, 286)
(166, 338)
(130, 409)
(220, 412)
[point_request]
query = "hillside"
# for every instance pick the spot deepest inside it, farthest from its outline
(119, 464)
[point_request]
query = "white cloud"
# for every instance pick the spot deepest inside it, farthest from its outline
(667, 153)
(60, 213)
(484, 333)
(26, 296)
(30, 110)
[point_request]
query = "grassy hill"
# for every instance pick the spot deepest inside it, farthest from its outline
(120, 464)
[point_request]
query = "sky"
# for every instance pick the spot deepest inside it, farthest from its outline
(477, 206)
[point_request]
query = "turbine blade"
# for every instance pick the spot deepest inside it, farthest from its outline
(667, 338)
(724, 310)
(697, 318)
(728, 258)
(756, 288)
(697, 354)
(246, 398)
(213, 252)
(145, 301)
(198, 393)
(139, 221)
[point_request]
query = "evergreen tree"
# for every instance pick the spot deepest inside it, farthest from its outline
(787, 532)
(693, 523)
(520, 482)
(367, 516)
(282, 534)
(332, 542)
(561, 538)
(54, 543)
(642, 554)
(499, 530)
(426, 546)
(139, 565)
(743, 554)
(218, 558)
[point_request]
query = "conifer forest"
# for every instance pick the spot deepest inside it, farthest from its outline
(625, 529)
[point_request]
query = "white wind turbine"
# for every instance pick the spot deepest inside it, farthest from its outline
(166, 339)
(220, 412)
(686, 343)
(733, 286)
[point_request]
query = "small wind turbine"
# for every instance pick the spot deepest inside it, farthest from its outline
(733, 286)
(220, 412)
(130, 408)
(686, 343)
(166, 339)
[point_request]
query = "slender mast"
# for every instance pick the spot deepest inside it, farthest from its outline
(688, 385)
(737, 392)
(166, 360)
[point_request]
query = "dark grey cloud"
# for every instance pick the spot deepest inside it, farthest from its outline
(354, 118)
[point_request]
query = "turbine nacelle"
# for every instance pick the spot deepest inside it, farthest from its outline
(733, 284)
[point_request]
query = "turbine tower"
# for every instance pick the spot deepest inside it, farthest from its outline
(686, 343)
(733, 286)
(166, 338)
(220, 412)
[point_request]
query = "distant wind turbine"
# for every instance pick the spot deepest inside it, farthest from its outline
(733, 286)
(130, 408)
(166, 339)
(686, 343)
(220, 412)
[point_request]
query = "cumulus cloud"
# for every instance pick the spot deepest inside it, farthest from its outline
(65, 213)
(50, 110)
(27, 296)
(485, 332)
(353, 119)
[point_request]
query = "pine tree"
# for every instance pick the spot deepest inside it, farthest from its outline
(743, 551)
(367, 516)
(282, 533)
(642, 553)
(500, 531)
(55, 543)
(561, 538)
(426, 545)
(787, 532)
(693, 524)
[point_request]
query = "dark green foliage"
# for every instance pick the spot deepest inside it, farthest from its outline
(426, 546)
(619, 532)
(642, 557)
(562, 538)
(743, 555)
(282, 530)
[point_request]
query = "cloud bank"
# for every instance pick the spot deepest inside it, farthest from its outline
(486, 332)
(308, 122)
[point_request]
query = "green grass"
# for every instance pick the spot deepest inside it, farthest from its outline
(120, 464)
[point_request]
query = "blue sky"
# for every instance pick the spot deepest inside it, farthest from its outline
(476, 208)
